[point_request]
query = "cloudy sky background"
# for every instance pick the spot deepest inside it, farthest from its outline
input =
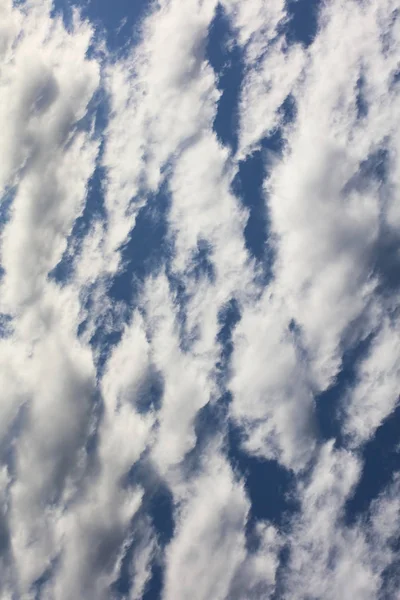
(199, 300)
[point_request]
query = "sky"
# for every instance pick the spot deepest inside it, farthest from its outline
(199, 300)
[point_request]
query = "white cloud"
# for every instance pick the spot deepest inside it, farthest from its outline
(205, 212)
(162, 97)
(256, 576)
(329, 559)
(47, 83)
(209, 543)
(272, 396)
(47, 158)
(71, 505)
(272, 80)
(376, 391)
(185, 379)
(328, 223)
(93, 533)
(256, 22)
(50, 455)
(141, 565)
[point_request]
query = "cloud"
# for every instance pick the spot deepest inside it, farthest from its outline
(376, 393)
(209, 543)
(183, 374)
(256, 23)
(326, 232)
(117, 470)
(272, 396)
(166, 94)
(97, 528)
(49, 377)
(327, 558)
(282, 63)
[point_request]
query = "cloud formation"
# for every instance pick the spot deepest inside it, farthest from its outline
(136, 395)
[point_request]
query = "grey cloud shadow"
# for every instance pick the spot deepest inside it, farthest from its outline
(384, 254)
(386, 261)
(43, 94)
(149, 393)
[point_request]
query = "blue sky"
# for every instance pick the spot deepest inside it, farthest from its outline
(199, 314)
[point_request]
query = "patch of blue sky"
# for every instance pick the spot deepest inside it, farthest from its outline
(269, 485)
(6, 204)
(381, 459)
(125, 581)
(181, 297)
(146, 250)
(396, 78)
(228, 319)
(108, 331)
(45, 577)
(154, 587)
(157, 514)
(202, 265)
(284, 558)
(6, 325)
(117, 22)
(227, 59)
(212, 419)
(248, 186)
(361, 99)
(96, 117)
(4, 537)
(329, 404)
(301, 26)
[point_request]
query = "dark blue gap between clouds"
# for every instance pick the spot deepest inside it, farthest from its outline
(118, 20)
(227, 59)
(93, 210)
(381, 459)
(145, 252)
(157, 514)
(380, 455)
(302, 24)
(328, 404)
